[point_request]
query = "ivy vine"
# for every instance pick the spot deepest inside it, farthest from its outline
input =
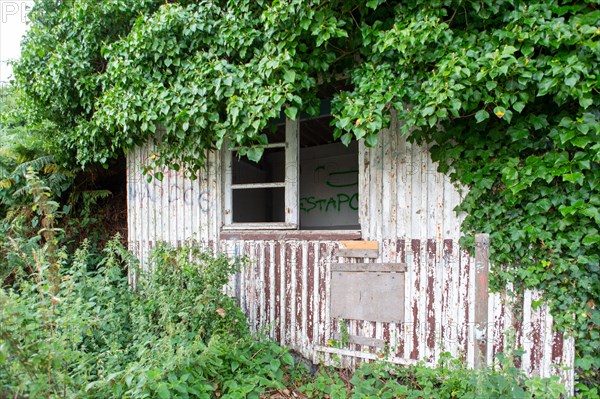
(507, 91)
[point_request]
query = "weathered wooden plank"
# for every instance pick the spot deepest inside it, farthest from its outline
(367, 296)
(368, 267)
(482, 245)
(304, 306)
(363, 188)
(357, 253)
(272, 289)
(358, 244)
(292, 176)
(303, 235)
(368, 356)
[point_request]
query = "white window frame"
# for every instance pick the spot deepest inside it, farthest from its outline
(292, 200)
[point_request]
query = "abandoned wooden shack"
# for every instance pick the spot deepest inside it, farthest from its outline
(353, 239)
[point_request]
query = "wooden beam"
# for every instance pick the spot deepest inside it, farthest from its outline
(368, 267)
(359, 244)
(358, 249)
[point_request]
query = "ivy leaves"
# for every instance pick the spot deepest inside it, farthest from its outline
(509, 95)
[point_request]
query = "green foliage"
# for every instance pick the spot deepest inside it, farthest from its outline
(24, 148)
(28, 163)
(450, 379)
(506, 91)
(92, 335)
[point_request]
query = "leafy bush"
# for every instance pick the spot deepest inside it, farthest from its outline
(94, 336)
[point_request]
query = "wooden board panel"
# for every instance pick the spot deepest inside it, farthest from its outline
(358, 249)
(368, 267)
(371, 296)
(358, 244)
(357, 253)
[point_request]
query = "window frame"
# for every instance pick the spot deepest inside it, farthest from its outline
(290, 184)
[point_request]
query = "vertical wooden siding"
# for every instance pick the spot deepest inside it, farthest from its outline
(172, 210)
(408, 207)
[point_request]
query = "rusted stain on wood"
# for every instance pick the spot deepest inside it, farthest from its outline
(357, 253)
(416, 300)
(431, 314)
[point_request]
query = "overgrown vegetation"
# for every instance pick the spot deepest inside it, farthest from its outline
(78, 197)
(507, 91)
(73, 326)
(93, 336)
(82, 332)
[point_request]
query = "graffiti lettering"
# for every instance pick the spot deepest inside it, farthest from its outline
(155, 192)
(347, 178)
(336, 203)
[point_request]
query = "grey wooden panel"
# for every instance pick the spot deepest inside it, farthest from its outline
(357, 253)
(370, 296)
(368, 267)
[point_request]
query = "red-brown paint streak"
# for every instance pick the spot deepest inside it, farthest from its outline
(483, 284)
(268, 285)
(248, 285)
(288, 293)
(278, 293)
(498, 342)
(536, 342)
(299, 327)
(557, 347)
(431, 316)
(447, 305)
(259, 249)
(416, 248)
(400, 328)
(464, 292)
(311, 290)
(323, 320)
(517, 321)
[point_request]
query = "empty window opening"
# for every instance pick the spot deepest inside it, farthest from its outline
(305, 179)
(328, 178)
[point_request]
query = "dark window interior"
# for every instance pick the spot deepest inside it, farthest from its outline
(328, 178)
(259, 205)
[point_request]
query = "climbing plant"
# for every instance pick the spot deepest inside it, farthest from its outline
(506, 92)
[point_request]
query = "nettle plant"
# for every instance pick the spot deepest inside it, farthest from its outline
(505, 91)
